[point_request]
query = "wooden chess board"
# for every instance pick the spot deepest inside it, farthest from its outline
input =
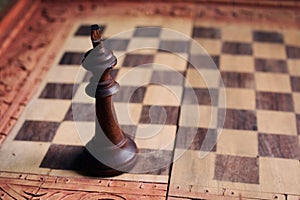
(256, 153)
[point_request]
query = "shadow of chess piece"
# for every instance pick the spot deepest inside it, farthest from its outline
(110, 152)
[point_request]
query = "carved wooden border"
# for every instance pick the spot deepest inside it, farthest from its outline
(28, 50)
(30, 186)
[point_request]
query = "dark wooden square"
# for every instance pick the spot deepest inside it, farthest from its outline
(295, 83)
(196, 139)
(154, 162)
(280, 146)
(116, 44)
(159, 115)
(237, 169)
(201, 96)
(66, 157)
(270, 65)
(266, 36)
(204, 61)
(134, 60)
(274, 101)
(237, 48)
(58, 91)
(174, 46)
(84, 112)
(71, 58)
(238, 80)
(41, 131)
(298, 123)
(144, 31)
(206, 32)
(239, 119)
(167, 78)
(293, 52)
(130, 94)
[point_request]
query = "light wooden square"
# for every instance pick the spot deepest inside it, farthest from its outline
(236, 63)
(193, 177)
(70, 133)
(272, 82)
(128, 113)
(23, 156)
(236, 33)
(155, 136)
(239, 98)
(238, 143)
(78, 44)
(189, 116)
(143, 43)
(182, 25)
(276, 122)
(269, 50)
(81, 95)
(296, 99)
(169, 60)
(66, 74)
(47, 109)
(291, 37)
(137, 76)
(163, 95)
(294, 67)
(203, 78)
(211, 46)
(279, 175)
(198, 116)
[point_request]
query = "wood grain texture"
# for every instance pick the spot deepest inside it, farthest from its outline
(295, 82)
(240, 119)
(134, 60)
(274, 101)
(201, 32)
(237, 169)
(238, 80)
(265, 36)
(37, 131)
(159, 115)
(293, 52)
(237, 48)
(203, 139)
(280, 146)
(270, 65)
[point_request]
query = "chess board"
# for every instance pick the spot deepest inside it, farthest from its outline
(172, 101)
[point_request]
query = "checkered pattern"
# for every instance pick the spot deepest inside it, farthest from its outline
(260, 128)
(261, 73)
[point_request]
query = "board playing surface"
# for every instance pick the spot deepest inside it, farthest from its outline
(255, 154)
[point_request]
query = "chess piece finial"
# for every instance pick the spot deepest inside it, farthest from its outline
(96, 35)
(110, 152)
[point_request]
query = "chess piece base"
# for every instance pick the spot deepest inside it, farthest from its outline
(124, 158)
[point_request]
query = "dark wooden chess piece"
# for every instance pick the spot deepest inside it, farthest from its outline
(110, 152)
